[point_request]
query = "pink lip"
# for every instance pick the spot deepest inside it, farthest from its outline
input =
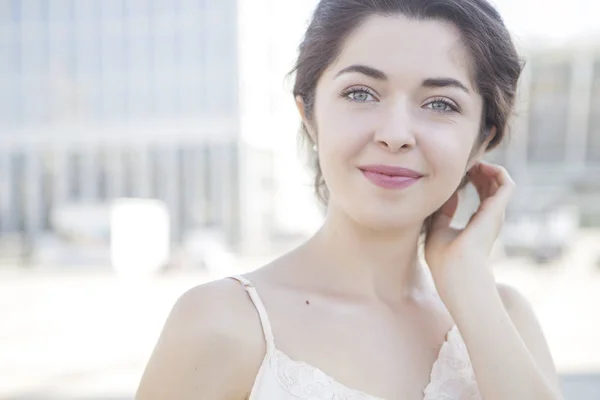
(390, 177)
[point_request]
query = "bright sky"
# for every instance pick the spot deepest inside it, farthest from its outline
(552, 19)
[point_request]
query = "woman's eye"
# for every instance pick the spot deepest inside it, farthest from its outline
(360, 96)
(441, 106)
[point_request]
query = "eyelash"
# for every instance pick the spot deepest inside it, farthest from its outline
(358, 89)
(453, 107)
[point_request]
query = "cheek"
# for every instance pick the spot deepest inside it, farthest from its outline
(343, 131)
(447, 152)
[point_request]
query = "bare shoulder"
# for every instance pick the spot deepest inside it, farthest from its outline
(523, 317)
(211, 346)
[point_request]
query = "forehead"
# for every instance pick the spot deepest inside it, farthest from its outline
(403, 47)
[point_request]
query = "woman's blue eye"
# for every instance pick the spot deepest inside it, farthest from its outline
(359, 95)
(441, 106)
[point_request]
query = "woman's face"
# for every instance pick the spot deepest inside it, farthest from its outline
(396, 118)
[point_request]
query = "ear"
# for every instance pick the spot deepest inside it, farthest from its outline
(480, 151)
(302, 110)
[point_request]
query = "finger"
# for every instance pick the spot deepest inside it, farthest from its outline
(494, 195)
(496, 173)
(481, 185)
(490, 216)
(480, 181)
(502, 186)
(489, 178)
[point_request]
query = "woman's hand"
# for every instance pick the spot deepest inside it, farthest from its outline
(447, 247)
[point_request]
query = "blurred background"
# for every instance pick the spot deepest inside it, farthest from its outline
(147, 146)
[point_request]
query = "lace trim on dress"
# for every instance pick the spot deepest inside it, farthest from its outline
(452, 377)
(307, 382)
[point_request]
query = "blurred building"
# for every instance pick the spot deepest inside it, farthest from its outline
(117, 61)
(108, 99)
(554, 147)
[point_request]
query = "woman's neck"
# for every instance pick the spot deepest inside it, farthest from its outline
(364, 261)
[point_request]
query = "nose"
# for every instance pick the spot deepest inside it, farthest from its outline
(396, 133)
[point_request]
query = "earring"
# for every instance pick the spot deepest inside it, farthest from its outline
(315, 148)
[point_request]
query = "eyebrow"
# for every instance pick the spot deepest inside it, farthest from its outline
(444, 82)
(365, 70)
(381, 76)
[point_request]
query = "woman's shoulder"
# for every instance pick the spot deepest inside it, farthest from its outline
(208, 324)
(218, 312)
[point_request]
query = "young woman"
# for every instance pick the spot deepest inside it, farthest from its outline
(400, 99)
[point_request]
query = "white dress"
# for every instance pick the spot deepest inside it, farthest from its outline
(282, 378)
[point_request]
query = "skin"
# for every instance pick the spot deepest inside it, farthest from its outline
(354, 299)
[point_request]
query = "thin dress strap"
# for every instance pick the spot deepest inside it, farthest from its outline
(262, 312)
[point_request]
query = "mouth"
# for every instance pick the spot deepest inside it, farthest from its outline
(390, 177)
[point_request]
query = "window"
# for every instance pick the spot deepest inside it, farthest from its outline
(113, 9)
(34, 50)
(136, 9)
(190, 91)
(61, 11)
(86, 12)
(164, 51)
(139, 46)
(12, 55)
(34, 101)
(189, 41)
(10, 102)
(88, 55)
(162, 7)
(114, 57)
(34, 11)
(13, 10)
(548, 114)
(114, 101)
(138, 94)
(593, 141)
(165, 97)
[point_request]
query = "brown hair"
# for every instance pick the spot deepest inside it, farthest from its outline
(496, 62)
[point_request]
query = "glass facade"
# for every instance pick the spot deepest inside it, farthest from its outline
(548, 109)
(116, 60)
(114, 68)
(593, 139)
